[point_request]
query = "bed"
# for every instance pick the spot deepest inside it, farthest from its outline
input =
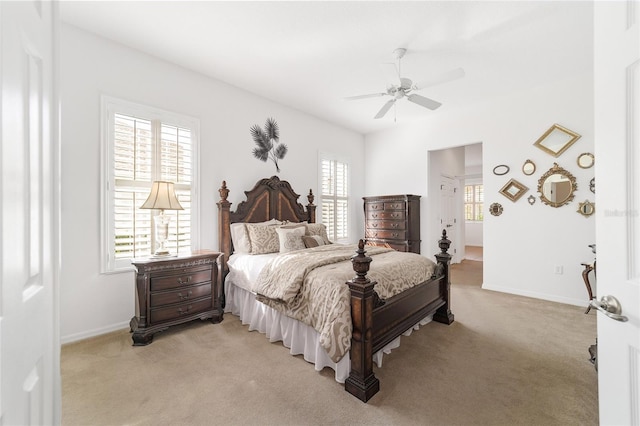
(375, 323)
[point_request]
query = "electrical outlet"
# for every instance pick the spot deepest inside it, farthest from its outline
(558, 270)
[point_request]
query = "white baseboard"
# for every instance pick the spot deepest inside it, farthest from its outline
(93, 333)
(536, 295)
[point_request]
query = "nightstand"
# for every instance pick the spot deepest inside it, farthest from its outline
(175, 290)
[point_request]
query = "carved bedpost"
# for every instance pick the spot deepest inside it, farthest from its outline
(361, 383)
(444, 314)
(311, 208)
(224, 229)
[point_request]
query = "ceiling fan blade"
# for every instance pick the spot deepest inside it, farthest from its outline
(371, 95)
(443, 78)
(386, 107)
(422, 101)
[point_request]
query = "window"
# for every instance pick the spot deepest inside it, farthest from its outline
(334, 197)
(140, 145)
(473, 199)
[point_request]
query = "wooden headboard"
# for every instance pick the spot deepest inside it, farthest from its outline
(270, 198)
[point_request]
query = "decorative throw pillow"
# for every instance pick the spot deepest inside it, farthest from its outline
(290, 238)
(240, 236)
(264, 238)
(313, 241)
(318, 229)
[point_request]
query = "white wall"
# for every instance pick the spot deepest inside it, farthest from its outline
(524, 244)
(93, 303)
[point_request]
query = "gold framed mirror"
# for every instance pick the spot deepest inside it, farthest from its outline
(556, 140)
(557, 186)
(495, 209)
(529, 168)
(513, 190)
(586, 160)
(587, 208)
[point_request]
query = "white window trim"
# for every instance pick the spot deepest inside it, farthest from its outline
(472, 182)
(108, 107)
(332, 157)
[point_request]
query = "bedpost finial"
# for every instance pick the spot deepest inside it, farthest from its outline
(360, 263)
(444, 243)
(224, 191)
(310, 197)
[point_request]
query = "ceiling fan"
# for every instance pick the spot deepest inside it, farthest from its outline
(402, 87)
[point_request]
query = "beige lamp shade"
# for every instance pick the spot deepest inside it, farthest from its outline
(162, 197)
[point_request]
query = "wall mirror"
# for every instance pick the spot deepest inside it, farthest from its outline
(529, 168)
(556, 186)
(495, 209)
(500, 170)
(587, 208)
(586, 160)
(513, 190)
(556, 140)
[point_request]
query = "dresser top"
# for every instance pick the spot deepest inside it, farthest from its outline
(392, 197)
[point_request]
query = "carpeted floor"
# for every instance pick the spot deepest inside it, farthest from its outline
(506, 360)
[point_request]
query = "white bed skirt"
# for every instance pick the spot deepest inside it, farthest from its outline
(301, 339)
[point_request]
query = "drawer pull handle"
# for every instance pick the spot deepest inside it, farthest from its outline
(395, 225)
(374, 207)
(375, 225)
(187, 281)
(374, 215)
(184, 311)
(181, 297)
(394, 234)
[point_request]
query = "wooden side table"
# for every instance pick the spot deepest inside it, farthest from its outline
(175, 290)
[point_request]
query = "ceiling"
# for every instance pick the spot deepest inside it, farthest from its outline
(311, 55)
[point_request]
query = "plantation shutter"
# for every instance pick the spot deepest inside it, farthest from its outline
(143, 145)
(334, 198)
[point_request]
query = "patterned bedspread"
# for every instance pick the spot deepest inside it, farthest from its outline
(310, 286)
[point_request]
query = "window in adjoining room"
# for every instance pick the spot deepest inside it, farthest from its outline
(334, 197)
(473, 201)
(141, 145)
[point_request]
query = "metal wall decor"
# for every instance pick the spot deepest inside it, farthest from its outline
(586, 160)
(531, 199)
(513, 190)
(557, 186)
(587, 208)
(592, 185)
(495, 209)
(529, 168)
(556, 140)
(501, 170)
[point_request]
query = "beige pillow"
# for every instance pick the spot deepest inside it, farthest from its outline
(290, 238)
(264, 238)
(318, 229)
(313, 241)
(240, 236)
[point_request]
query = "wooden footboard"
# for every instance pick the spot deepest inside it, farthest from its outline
(377, 323)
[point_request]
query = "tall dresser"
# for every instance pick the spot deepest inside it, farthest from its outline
(394, 221)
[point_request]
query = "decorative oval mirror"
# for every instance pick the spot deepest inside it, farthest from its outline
(556, 140)
(531, 199)
(513, 190)
(587, 208)
(501, 169)
(495, 209)
(592, 185)
(529, 168)
(586, 160)
(556, 186)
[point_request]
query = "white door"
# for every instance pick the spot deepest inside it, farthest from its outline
(617, 154)
(448, 216)
(29, 255)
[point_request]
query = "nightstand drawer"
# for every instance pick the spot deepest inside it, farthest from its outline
(180, 295)
(171, 312)
(186, 278)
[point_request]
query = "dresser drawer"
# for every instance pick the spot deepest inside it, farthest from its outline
(386, 224)
(374, 206)
(382, 233)
(170, 312)
(181, 294)
(186, 278)
(397, 205)
(401, 246)
(387, 214)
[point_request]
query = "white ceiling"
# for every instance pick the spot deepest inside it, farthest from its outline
(311, 55)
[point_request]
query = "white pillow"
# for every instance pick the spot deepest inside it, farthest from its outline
(290, 238)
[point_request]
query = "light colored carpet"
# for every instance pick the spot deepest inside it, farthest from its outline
(506, 360)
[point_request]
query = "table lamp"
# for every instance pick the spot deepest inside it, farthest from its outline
(162, 197)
